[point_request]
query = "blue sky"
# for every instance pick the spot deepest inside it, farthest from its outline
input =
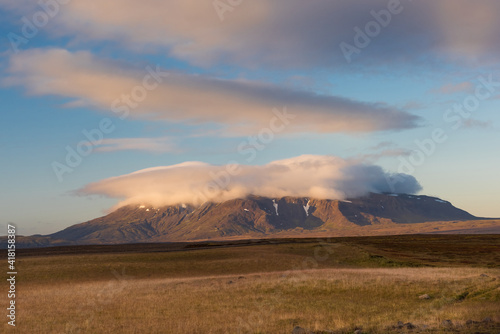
(221, 70)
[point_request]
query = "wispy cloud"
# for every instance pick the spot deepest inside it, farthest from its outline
(477, 124)
(451, 88)
(155, 145)
(383, 145)
(241, 106)
(374, 157)
(382, 150)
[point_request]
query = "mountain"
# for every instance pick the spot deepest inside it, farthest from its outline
(261, 217)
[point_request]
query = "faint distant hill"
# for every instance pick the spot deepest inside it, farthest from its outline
(261, 217)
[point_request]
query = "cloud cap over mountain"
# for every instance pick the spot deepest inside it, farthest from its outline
(316, 176)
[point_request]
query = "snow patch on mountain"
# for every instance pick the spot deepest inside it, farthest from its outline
(275, 207)
(306, 208)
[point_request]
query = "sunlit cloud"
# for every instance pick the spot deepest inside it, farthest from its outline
(239, 106)
(324, 177)
(283, 33)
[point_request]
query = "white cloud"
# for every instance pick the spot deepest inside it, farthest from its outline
(325, 177)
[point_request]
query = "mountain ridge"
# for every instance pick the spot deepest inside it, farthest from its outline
(255, 217)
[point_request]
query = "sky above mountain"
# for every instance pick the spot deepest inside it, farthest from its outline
(112, 101)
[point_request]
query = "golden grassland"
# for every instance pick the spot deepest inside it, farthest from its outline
(263, 303)
(337, 285)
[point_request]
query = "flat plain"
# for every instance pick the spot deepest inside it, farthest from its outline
(384, 284)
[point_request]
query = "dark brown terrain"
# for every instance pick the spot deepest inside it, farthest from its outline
(373, 285)
(260, 217)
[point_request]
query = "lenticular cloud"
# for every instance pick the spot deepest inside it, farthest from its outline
(324, 177)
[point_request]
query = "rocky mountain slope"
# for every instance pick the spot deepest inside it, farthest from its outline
(253, 217)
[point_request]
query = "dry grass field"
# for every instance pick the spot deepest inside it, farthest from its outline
(330, 286)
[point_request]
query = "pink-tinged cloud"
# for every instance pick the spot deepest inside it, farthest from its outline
(239, 106)
(155, 145)
(325, 177)
(477, 124)
(451, 88)
(284, 33)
